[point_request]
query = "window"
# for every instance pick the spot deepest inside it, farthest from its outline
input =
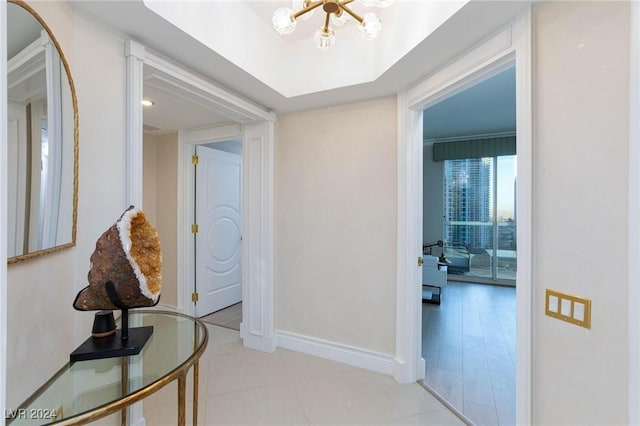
(479, 212)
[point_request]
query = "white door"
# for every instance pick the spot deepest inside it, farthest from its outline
(219, 236)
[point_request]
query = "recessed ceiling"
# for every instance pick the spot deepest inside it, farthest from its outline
(474, 22)
(242, 32)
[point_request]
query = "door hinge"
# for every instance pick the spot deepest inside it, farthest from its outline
(194, 297)
(194, 228)
(194, 160)
(420, 261)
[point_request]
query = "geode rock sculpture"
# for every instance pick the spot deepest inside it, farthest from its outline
(126, 266)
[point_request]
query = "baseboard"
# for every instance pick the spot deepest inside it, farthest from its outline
(163, 307)
(357, 357)
(403, 373)
(257, 342)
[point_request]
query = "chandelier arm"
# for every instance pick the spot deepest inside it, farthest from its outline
(308, 8)
(352, 13)
(325, 29)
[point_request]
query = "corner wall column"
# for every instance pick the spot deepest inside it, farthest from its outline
(258, 329)
(135, 54)
(634, 218)
(407, 366)
(525, 301)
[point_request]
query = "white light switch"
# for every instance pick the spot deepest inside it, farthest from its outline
(553, 304)
(565, 307)
(578, 311)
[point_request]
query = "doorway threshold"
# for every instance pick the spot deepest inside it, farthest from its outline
(229, 317)
(444, 402)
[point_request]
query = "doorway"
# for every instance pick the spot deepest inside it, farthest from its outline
(255, 126)
(468, 337)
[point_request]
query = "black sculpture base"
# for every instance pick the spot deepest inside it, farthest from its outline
(113, 346)
(124, 342)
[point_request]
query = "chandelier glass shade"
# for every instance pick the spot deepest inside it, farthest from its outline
(337, 12)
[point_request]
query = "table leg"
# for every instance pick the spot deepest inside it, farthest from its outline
(124, 380)
(196, 371)
(182, 386)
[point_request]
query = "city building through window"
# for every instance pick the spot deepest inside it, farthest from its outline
(480, 217)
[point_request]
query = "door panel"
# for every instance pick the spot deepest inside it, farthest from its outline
(219, 237)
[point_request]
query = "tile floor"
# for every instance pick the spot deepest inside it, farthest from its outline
(240, 386)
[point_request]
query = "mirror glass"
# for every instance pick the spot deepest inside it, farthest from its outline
(42, 139)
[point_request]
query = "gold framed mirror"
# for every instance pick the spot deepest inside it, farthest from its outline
(42, 128)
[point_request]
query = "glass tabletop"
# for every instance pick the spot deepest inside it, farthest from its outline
(88, 389)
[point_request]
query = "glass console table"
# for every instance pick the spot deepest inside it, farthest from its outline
(88, 390)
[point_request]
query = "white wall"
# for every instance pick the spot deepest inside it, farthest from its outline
(160, 198)
(581, 101)
(149, 176)
(336, 224)
(40, 318)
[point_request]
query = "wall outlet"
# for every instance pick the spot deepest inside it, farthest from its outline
(566, 307)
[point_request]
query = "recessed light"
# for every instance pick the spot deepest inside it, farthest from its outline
(147, 103)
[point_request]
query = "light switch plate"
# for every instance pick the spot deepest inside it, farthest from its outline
(566, 307)
(578, 311)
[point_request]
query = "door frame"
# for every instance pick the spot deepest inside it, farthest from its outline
(256, 125)
(511, 45)
(634, 216)
(4, 205)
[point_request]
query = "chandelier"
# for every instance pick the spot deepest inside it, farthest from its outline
(337, 13)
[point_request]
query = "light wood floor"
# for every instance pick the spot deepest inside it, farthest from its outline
(230, 317)
(468, 343)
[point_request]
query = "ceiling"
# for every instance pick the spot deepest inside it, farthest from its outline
(473, 22)
(26, 78)
(175, 107)
(22, 27)
(488, 107)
